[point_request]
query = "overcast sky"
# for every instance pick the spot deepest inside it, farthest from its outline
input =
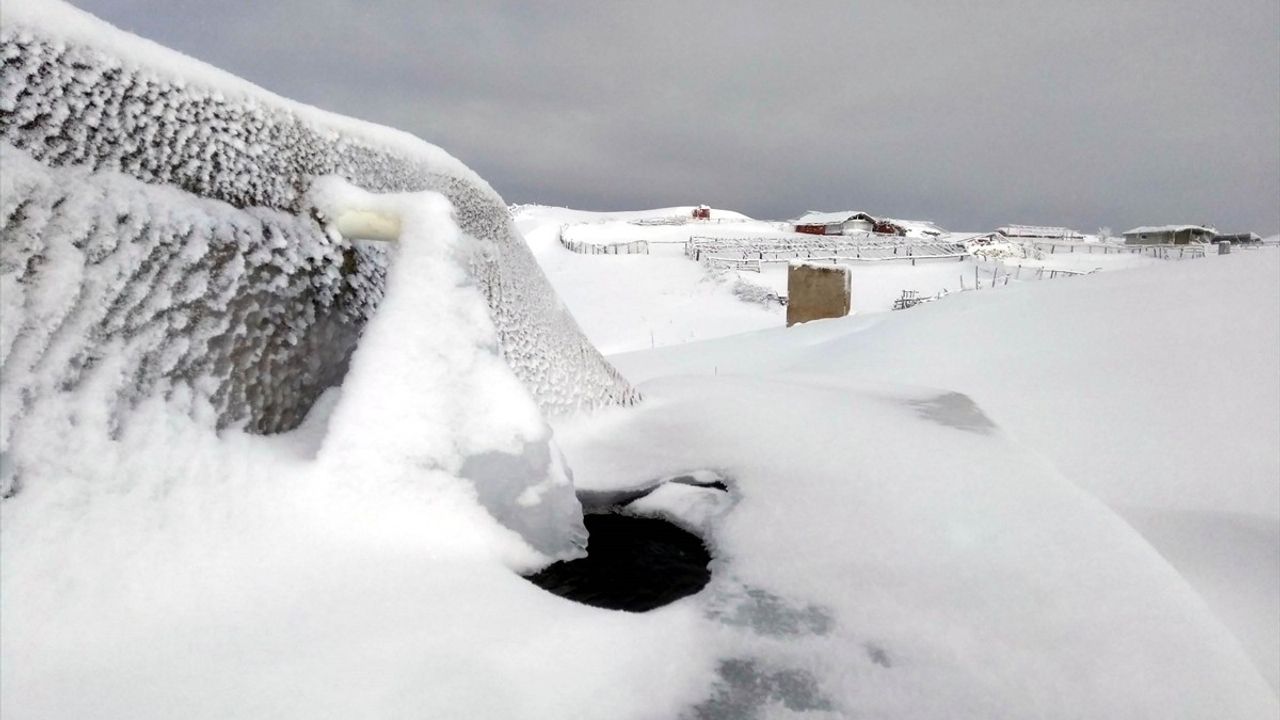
(971, 114)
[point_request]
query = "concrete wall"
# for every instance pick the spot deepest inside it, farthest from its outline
(815, 292)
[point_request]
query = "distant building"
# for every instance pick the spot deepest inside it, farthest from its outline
(846, 222)
(1038, 232)
(1169, 235)
(1240, 238)
(702, 212)
(851, 222)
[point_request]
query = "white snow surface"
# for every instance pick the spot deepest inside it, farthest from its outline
(927, 512)
(634, 302)
(630, 302)
(1157, 390)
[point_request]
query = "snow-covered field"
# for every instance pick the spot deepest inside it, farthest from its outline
(630, 302)
(633, 302)
(1046, 499)
(1155, 390)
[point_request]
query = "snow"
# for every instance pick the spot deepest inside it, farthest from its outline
(892, 555)
(1051, 499)
(342, 569)
(438, 395)
(696, 509)
(817, 217)
(1155, 389)
(93, 104)
(917, 228)
(630, 302)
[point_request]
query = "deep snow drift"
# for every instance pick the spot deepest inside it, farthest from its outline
(1157, 390)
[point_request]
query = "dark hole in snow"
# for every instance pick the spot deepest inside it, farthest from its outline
(632, 563)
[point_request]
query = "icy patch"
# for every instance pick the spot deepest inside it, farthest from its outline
(748, 688)
(955, 410)
(764, 613)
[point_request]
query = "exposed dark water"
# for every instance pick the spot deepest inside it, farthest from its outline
(632, 563)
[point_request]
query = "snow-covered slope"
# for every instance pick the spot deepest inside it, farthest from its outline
(894, 553)
(1157, 390)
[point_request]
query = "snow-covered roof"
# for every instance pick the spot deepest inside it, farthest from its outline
(1037, 231)
(1148, 229)
(918, 226)
(814, 217)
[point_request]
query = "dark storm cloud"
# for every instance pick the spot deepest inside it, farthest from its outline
(970, 114)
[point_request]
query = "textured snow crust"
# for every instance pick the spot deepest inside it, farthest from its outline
(271, 305)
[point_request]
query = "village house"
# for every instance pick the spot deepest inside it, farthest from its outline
(1169, 235)
(846, 222)
(852, 222)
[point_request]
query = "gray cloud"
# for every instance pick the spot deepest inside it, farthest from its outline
(971, 114)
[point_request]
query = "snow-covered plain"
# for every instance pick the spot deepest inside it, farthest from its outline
(634, 302)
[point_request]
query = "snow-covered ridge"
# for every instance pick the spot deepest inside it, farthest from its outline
(110, 141)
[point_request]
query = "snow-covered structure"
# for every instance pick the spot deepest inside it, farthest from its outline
(856, 222)
(919, 229)
(154, 209)
(1038, 232)
(1169, 234)
(846, 222)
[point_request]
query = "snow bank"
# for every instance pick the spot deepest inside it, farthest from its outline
(1155, 389)
(892, 553)
(437, 395)
(362, 563)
